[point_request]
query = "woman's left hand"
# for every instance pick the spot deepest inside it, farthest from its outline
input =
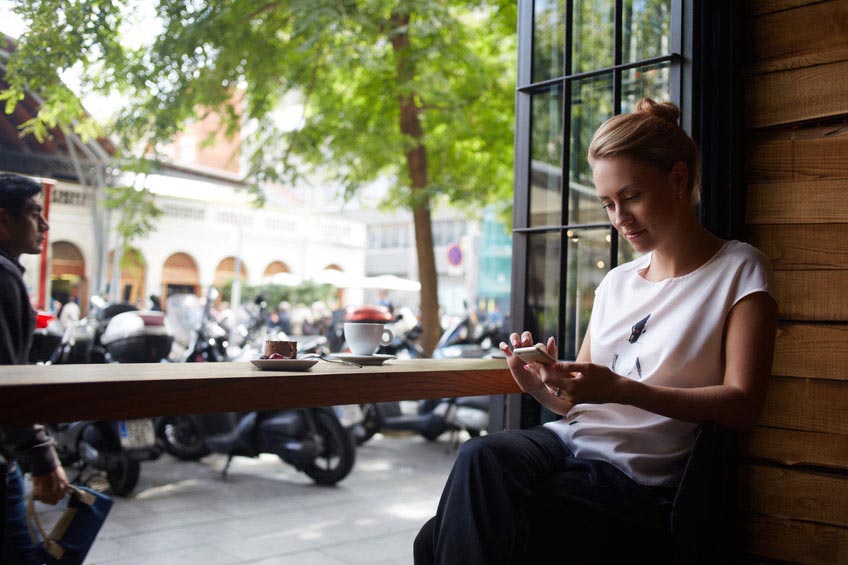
(581, 383)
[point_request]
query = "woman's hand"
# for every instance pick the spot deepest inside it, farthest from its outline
(581, 383)
(528, 381)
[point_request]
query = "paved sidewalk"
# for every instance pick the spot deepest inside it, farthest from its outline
(268, 513)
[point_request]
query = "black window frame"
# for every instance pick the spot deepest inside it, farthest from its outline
(705, 82)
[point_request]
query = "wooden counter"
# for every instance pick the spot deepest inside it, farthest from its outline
(63, 393)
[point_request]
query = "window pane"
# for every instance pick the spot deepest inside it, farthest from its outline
(548, 39)
(591, 105)
(588, 262)
(646, 29)
(651, 81)
(543, 274)
(546, 159)
(592, 30)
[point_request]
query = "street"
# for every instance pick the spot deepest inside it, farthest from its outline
(265, 512)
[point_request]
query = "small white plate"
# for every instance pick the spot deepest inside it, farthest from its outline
(284, 364)
(375, 359)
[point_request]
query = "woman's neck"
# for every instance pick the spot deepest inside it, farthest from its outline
(683, 254)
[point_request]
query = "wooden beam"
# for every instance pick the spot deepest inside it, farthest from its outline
(810, 35)
(812, 295)
(801, 247)
(794, 495)
(797, 95)
(811, 405)
(794, 541)
(813, 351)
(798, 202)
(796, 448)
(796, 153)
(760, 7)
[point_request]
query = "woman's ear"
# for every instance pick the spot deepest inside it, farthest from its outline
(680, 178)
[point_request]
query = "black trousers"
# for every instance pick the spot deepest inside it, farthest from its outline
(519, 496)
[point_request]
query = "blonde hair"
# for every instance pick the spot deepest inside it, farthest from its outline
(651, 135)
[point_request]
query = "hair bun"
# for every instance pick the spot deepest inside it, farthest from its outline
(664, 110)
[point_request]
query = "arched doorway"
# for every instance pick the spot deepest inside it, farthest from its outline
(275, 267)
(131, 288)
(180, 275)
(225, 272)
(67, 274)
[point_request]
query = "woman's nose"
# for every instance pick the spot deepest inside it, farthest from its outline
(622, 216)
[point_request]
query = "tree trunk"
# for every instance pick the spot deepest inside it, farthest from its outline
(416, 162)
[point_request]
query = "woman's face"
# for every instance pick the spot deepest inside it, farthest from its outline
(643, 203)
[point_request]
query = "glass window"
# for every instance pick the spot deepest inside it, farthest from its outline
(546, 159)
(590, 59)
(548, 39)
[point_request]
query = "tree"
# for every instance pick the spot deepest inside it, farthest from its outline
(420, 91)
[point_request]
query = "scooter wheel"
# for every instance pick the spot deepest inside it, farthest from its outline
(122, 474)
(180, 438)
(336, 459)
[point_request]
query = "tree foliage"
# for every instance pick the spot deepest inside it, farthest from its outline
(418, 91)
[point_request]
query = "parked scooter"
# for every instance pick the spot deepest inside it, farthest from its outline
(317, 441)
(464, 338)
(121, 334)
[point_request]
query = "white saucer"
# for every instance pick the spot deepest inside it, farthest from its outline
(284, 364)
(375, 359)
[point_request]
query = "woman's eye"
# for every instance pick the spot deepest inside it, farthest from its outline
(606, 205)
(632, 197)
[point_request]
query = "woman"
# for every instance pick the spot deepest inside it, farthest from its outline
(684, 334)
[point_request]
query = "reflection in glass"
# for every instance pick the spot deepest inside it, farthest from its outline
(543, 278)
(588, 262)
(646, 29)
(591, 105)
(593, 25)
(548, 39)
(546, 158)
(651, 82)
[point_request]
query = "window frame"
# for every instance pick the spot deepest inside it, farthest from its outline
(686, 28)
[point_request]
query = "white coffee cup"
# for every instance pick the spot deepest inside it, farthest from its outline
(365, 338)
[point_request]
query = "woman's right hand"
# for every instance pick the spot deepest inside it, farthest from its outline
(528, 382)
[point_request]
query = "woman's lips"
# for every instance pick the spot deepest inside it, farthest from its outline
(630, 236)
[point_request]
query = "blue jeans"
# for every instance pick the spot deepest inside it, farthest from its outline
(18, 546)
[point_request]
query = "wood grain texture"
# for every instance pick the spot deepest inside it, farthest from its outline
(811, 351)
(811, 405)
(799, 247)
(796, 153)
(796, 448)
(794, 541)
(760, 7)
(798, 202)
(812, 295)
(110, 392)
(795, 495)
(797, 95)
(809, 35)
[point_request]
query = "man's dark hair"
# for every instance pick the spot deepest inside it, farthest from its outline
(15, 190)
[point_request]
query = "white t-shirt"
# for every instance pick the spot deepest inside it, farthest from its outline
(663, 333)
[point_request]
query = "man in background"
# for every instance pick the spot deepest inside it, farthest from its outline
(22, 229)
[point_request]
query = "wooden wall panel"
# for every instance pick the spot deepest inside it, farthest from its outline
(792, 447)
(761, 7)
(811, 350)
(794, 540)
(811, 405)
(798, 247)
(812, 295)
(809, 35)
(790, 494)
(785, 154)
(797, 95)
(798, 202)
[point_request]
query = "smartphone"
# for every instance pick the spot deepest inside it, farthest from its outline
(537, 353)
